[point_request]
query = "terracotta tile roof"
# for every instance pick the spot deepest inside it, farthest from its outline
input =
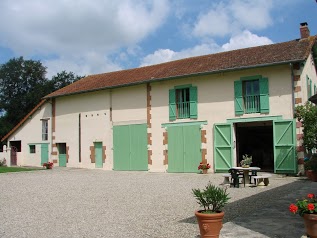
(286, 52)
(23, 120)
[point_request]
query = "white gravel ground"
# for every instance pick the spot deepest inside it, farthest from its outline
(65, 202)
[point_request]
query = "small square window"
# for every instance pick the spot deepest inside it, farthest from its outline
(32, 149)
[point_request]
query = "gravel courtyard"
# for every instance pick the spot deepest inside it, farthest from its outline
(66, 202)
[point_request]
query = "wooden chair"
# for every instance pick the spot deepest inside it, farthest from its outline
(235, 177)
(252, 174)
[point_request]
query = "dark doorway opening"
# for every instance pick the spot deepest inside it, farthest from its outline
(256, 139)
(16, 144)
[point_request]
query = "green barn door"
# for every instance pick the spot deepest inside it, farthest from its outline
(222, 147)
(138, 142)
(62, 156)
(184, 154)
(98, 154)
(44, 153)
(175, 149)
(284, 146)
(192, 148)
(121, 148)
(130, 147)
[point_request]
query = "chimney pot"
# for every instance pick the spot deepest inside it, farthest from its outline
(304, 31)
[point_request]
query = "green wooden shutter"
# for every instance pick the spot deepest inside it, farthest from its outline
(172, 104)
(238, 99)
(315, 88)
(264, 95)
(193, 102)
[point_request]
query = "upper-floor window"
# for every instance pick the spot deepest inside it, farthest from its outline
(44, 129)
(183, 102)
(309, 87)
(251, 95)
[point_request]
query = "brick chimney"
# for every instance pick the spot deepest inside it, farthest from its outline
(304, 31)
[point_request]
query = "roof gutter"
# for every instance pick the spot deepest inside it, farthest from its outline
(179, 76)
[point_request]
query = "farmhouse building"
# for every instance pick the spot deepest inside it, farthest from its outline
(170, 117)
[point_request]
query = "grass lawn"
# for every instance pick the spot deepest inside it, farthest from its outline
(4, 169)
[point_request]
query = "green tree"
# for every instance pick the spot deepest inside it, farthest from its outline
(307, 114)
(63, 79)
(23, 84)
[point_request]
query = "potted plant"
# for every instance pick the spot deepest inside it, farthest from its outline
(308, 168)
(313, 166)
(212, 199)
(203, 167)
(48, 165)
(307, 208)
(246, 161)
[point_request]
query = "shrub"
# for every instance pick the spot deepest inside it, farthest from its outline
(3, 162)
(212, 198)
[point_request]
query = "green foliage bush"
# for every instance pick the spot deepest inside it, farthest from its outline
(307, 114)
(212, 198)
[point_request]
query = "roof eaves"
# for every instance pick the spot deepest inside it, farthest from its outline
(23, 120)
(180, 76)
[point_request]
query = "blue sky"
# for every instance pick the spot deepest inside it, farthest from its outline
(89, 37)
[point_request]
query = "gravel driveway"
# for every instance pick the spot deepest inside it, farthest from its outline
(66, 202)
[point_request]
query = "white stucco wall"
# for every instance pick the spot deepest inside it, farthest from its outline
(31, 133)
(94, 109)
(216, 103)
(310, 71)
(129, 105)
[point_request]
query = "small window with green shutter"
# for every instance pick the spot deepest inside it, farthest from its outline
(183, 102)
(251, 95)
(32, 149)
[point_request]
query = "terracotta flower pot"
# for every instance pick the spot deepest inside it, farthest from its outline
(209, 224)
(205, 171)
(313, 177)
(311, 225)
(309, 173)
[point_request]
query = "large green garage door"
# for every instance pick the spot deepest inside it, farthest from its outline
(222, 147)
(184, 154)
(130, 147)
(284, 146)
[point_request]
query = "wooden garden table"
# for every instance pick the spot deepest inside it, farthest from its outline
(246, 171)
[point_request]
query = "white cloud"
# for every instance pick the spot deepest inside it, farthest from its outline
(243, 40)
(216, 22)
(230, 16)
(250, 14)
(84, 31)
(165, 55)
(90, 63)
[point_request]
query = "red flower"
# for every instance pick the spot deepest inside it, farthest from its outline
(293, 208)
(310, 195)
(310, 206)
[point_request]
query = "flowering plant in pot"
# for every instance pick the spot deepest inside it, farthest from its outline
(212, 199)
(203, 167)
(48, 165)
(307, 208)
(246, 161)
